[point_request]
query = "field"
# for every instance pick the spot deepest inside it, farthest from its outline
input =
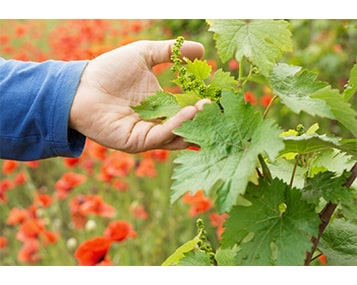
(49, 208)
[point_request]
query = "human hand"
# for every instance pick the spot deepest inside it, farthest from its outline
(113, 82)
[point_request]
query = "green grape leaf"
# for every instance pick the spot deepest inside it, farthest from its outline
(351, 87)
(198, 82)
(283, 169)
(184, 99)
(226, 257)
(199, 68)
(261, 42)
(195, 258)
(349, 146)
(341, 110)
(305, 144)
(299, 91)
(230, 142)
(160, 105)
(328, 186)
(265, 231)
(294, 87)
(339, 243)
(221, 81)
(179, 253)
(331, 160)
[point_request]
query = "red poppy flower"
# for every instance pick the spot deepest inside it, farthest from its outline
(30, 229)
(95, 150)
(93, 251)
(20, 178)
(17, 216)
(95, 205)
(217, 221)
(146, 167)
(233, 65)
(105, 262)
(83, 205)
(322, 259)
(9, 166)
(159, 155)
(5, 185)
(213, 64)
(120, 185)
(118, 164)
(70, 162)
(29, 252)
(3, 242)
(189, 198)
(20, 30)
(266, 99)
(200, 207)
(199, 203)
(4, 38)
(78, 219)
(44, 200)
(32, 164)
(50, 237)
(67, 182)
(139, 212)
(160, 68)
(119, 231)
(250, 97)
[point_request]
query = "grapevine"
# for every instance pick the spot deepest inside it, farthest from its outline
(246, 155)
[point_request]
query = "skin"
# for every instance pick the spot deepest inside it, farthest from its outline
(118, 79)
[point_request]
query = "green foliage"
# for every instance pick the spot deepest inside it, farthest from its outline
(325, 185)
(351, 87)
(331, 160)
(195, 258)
(305, 144)
(261, 42)
(179, 253)
(339, 243)
(161, 105)
(194, 252)
(192, 78)
(299, 90)
(230, 142)
(195, 80)
(271, 183)
(266, 230)
(226, 257)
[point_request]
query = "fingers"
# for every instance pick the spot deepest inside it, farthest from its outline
(200, 104)
(157, 52)
(162, 136)
(191, 50)
(185, 114)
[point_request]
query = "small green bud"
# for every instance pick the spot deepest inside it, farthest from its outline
(300, 129)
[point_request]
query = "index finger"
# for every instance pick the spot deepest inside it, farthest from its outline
(157, 52)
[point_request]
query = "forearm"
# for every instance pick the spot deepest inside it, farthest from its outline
(35, 102)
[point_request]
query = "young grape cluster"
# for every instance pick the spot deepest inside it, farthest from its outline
(188, 80)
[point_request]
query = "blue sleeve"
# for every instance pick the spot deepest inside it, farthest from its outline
(35, 101)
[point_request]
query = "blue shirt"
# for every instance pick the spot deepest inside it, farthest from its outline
(35, 101)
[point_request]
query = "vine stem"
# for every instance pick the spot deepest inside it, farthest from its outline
(267, 109)
(294, 170)
(325, 216)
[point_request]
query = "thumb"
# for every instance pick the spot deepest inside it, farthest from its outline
(160, 51)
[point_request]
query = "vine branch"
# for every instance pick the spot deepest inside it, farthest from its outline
(325, 216)
(267, 109)
(294, 170)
